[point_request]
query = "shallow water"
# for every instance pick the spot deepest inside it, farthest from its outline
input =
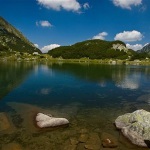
(91, 96)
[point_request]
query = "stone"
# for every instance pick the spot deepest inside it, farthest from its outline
(44, 121)
(74, 141)
(92, 147)
(136, 127)
(83, 131)
(83, 138)
(109, 141)
(93, 142)
(4, 122)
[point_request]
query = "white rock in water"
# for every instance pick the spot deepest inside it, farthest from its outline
(136, 127)
(44, 121)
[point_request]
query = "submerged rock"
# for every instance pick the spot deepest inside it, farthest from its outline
(93, 142)
(136, 127)
(44, 121)
(83, 138)
(4, 122)
(109, 141)
(74, 141)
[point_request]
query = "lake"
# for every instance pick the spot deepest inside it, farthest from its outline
(90, 96)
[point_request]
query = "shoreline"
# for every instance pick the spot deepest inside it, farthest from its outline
(47, 58)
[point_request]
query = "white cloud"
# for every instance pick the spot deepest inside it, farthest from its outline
(101, 36)
(129, 36)
(36, 45)
(44, 23)
(86, 6)
(135, 47)
(45, 49)
(127, 4)
(69, 5)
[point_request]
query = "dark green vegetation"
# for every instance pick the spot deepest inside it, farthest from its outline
(93, 49)
(12, 40)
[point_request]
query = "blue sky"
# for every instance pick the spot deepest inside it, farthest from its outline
(50, 23)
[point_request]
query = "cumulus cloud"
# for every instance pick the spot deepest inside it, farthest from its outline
(44, 23)
(86, 6)
(127, 4)
(45, 49)
(135, 47)
(36, 45)
(129, 36)
(69, 5)
(101, 36)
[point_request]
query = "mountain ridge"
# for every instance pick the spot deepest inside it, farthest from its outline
(145, 49)
(93, 49)
(12, 39)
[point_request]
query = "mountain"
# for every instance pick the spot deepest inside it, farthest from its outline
(145, 49)
(93, 49)
(13, 40)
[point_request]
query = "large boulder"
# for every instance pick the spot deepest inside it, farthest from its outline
(136, 127)
(44, 121)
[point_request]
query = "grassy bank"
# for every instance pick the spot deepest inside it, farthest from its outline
(17, 56)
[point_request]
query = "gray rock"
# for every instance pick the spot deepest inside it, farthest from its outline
(44, 121)
(135, 126)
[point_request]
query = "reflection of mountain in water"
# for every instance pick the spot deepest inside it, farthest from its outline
(12, 74)
(123, 76)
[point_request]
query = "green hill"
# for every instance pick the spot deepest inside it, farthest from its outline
(13, 40)
(93, 49)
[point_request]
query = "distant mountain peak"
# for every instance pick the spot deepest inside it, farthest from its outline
(145, 49)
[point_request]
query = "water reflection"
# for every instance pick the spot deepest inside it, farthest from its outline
(131, 82)
(125, 77)
(12, 74)
(45, 91)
